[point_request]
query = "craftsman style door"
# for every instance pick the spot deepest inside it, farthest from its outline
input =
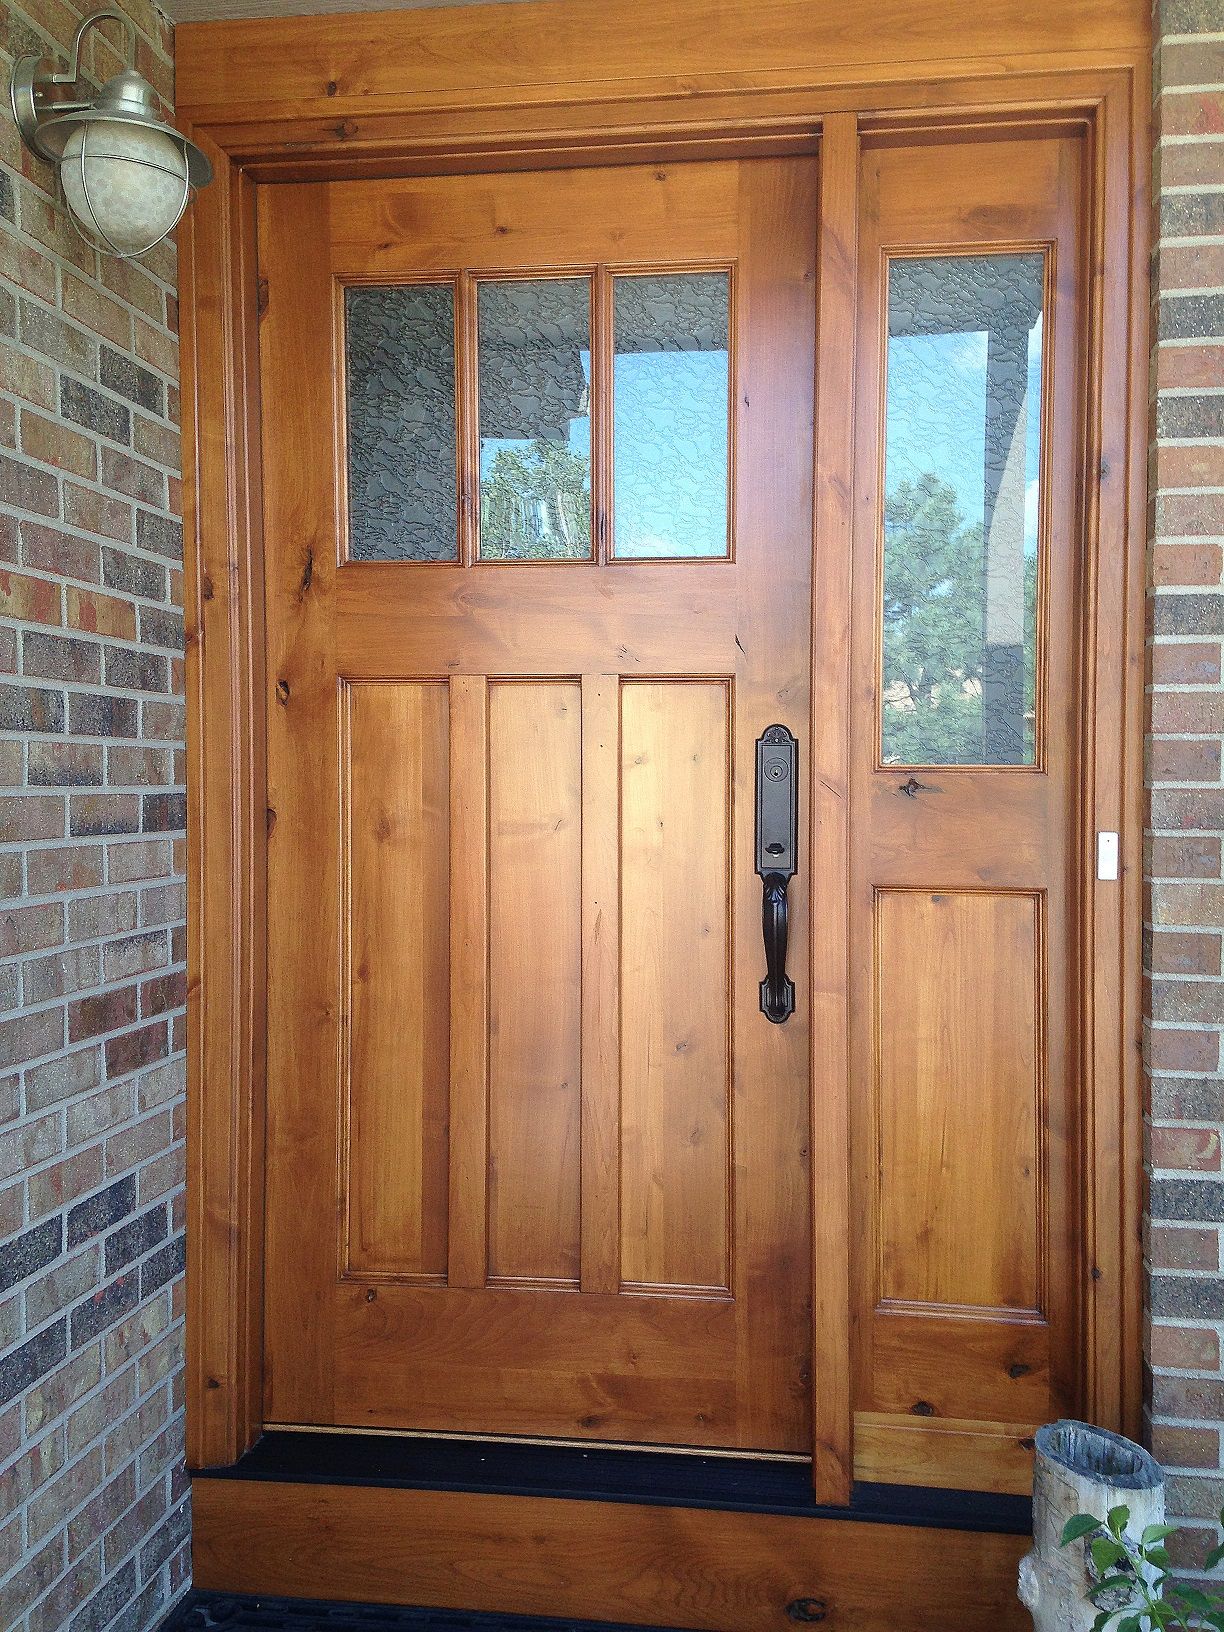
(543, 1156)
(538, 496)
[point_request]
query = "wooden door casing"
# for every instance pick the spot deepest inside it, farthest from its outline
(965, 891)
(469, 768)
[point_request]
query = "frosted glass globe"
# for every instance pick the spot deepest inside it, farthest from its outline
(135, 178)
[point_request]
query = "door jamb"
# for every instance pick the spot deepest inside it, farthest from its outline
(222, 297)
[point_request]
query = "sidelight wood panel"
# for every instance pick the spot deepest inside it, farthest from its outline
(675, 855)
(395, 780)
(958, 1099)
(535, 985)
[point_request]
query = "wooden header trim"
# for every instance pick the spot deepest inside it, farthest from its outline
(546, 52)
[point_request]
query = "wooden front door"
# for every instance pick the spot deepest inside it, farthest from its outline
(538, 508)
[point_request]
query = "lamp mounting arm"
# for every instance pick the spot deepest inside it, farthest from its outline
(34, 77)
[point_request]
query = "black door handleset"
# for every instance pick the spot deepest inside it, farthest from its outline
(777, 829)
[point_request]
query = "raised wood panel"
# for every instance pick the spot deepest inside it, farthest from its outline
(591, 1365)
(675, 984)
(395, 779)
(707, 1570)
(936, 1364)
(535, 981)
(956, 1455)
(959, 1027)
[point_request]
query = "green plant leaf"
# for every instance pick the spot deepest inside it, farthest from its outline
(1106, 1552)
(1214, 1557)
(1083, 1524)
(1156, 1532)
(1117, 1519)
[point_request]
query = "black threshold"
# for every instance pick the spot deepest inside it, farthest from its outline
(597, 1473)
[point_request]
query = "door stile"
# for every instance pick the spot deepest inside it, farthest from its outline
(601, 1088)
(837, 296)
(468, 1251)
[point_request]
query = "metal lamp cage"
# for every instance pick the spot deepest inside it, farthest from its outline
(91, 154)
(47, 124)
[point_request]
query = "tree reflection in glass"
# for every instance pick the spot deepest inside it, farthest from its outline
(961, 510)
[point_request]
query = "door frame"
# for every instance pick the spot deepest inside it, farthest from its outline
(400, 96)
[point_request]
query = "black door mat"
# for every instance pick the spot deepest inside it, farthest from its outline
(224, 1612)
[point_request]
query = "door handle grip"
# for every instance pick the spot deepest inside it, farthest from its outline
(777, 835)
(777, 990)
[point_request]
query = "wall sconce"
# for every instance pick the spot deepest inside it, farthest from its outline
(127, 177)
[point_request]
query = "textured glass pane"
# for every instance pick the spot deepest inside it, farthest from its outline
(672, 413)
(400, 351)
(535, 419)
(961, 507)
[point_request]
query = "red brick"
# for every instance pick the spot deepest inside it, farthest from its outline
(1172, 1248)
(1196, 856)
(1192, 113)
(53, 443)
(1186, 564)
(1174, 1050)
(33, 600)
(1186, 1447)
(1195, 663)
(1173, 760)
(99, 614)
(1186, 1150)
(1190, 467)
(1185, 952)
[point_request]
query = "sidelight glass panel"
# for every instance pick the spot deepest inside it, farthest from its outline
(534, 361)
(671, 382)
(961, 509)
(400, 385)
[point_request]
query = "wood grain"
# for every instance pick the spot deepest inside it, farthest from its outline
(675, 1069)
(469, 963)
(654, 1566)
(602, 721)
(226, 819)
(832, 1455)
(346, 68)
(535, 981)
(967, 1140)
(960, 1096)
(395, 779)
(601, 1011)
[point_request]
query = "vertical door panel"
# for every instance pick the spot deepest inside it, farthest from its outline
(394, 779)
(675, 1133)
(535, 987)
(958, 1101)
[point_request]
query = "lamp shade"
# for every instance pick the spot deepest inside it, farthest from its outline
(125, 182)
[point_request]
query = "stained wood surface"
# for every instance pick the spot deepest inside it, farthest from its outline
(611, 1190)
(528, 55)
(965, 884)
(654, 1566)
(396, 844)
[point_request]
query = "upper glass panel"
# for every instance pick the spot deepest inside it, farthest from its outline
(961, 509)
(534, 365)
(672, 412)
(400, 384)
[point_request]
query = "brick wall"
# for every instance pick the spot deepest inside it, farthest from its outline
(1185, 911)
(93, 1515)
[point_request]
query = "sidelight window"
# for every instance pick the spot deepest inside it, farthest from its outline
(962, 510)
